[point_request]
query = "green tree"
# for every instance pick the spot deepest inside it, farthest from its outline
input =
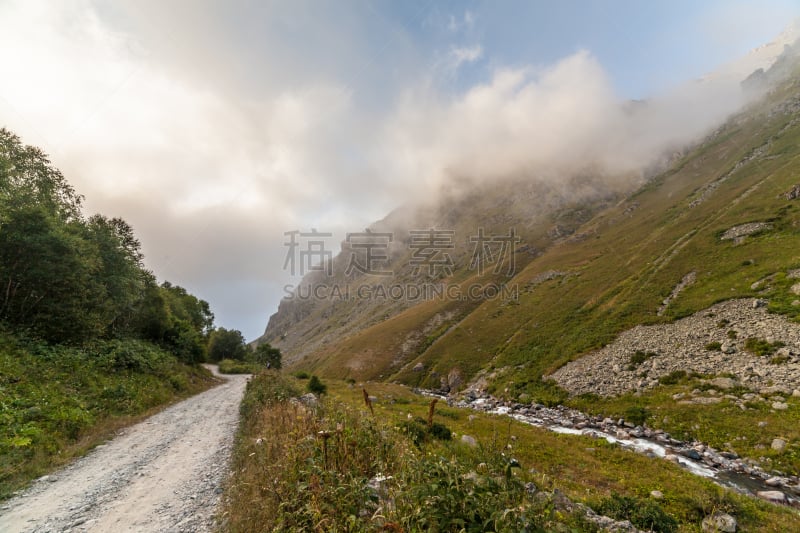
(27, 178)
(119, 270)
(268, 356)
(48, 277)
(316, 386)
(227, 344)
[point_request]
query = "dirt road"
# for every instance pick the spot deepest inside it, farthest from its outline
(164, 474)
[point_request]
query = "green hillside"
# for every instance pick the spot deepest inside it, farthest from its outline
(592, 268)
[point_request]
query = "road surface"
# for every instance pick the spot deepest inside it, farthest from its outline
(164, 474)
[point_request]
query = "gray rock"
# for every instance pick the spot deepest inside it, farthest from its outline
(728, 348)
(780, 406)
(774, 496)
(657, 494)
(721, 522)
(778, 444)
(723, 383)
(773, 482)
(469, 440)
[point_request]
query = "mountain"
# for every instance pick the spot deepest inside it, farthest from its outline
(597, 255)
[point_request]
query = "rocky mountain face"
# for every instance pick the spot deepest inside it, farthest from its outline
(538, 212)
(592, 258)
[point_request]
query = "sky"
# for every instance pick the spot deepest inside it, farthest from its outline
(214, 127)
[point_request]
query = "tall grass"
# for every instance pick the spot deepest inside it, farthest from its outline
(327, 466)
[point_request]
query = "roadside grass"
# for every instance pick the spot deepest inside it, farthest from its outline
(58, 402)
(333, 466)
(290, 477)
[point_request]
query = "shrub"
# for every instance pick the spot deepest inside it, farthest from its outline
(644, 514)
(316, 386)
(418, 431)
(301, 374)
(229, 366)
(761, 347)
(637, 415)
(673, 378)
(638, 358)
(714, 346)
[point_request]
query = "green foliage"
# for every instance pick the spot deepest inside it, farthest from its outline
(637, 415)
(642, 513)
(419, 432)
(57, 400)
(68, 279)
(638, 358)
(301, 374)
(266, 355)
(87, 338)
(227, 344)
(316, 386)
(297, 467)
(437, 494)
(714, 346)
(673, 377)
(230, 366)
(761, 347)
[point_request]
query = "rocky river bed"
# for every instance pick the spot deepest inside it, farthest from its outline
(725, 468)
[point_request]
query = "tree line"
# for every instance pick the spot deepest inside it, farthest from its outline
(66, 278)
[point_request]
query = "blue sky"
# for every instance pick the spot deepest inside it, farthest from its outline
(215, 126)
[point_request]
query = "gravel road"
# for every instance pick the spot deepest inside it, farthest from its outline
(164, 474)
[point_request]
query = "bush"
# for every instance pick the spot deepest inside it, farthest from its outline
(673, 378)
(301, 374)
(637, 415)
(418, 431)
(316, 386)
(714, 346)
(761, 347)
(229, 366)
(644, 514)
(638, 358)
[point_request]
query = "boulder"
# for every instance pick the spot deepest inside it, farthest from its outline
(469, 440)
(774, 496)
(778, 444)
(721, 522)
(723, 383)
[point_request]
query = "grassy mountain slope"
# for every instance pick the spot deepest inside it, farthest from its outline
(611, 271)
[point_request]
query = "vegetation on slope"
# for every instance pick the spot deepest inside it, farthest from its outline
(339, 465)
(88, 340)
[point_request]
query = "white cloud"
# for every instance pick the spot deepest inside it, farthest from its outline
(467, 54)
(211, 174)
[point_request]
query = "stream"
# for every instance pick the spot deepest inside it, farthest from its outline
(724, 468)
